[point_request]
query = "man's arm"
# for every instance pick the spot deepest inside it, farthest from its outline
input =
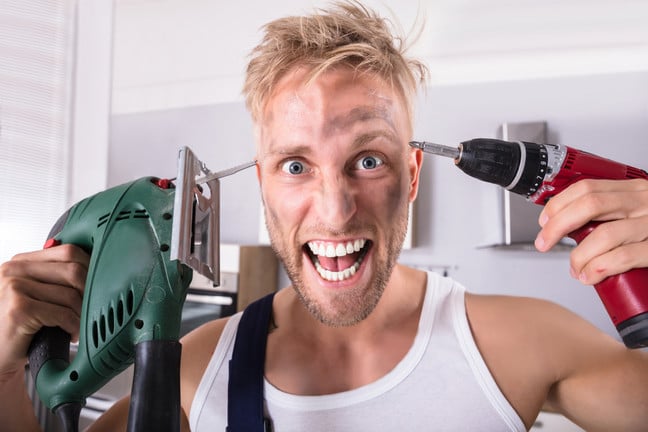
(17, 412)
(605, 386)
(599, 383)
(197, 349)
(544, 356)
(42, 288)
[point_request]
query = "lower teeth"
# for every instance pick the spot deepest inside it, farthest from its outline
(334, 276)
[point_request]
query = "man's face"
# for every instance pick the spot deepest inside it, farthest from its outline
(336, 178)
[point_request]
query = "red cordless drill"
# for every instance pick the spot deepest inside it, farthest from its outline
(540, 171)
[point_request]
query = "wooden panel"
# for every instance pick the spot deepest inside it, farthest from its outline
(257, 274)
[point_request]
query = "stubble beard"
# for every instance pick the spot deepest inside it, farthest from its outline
(351, 306)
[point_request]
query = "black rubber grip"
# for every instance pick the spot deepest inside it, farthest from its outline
(634, 331)
(48, 343)
(155, 397)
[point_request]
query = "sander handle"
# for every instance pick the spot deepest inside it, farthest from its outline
(155, 395)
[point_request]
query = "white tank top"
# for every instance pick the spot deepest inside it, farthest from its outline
(442, 384)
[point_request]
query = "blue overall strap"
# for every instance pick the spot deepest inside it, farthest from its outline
(245, 387)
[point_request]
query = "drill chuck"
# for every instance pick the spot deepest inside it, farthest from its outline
(519, 167)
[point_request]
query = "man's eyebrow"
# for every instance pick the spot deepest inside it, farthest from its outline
(358, 114)
(366, 138)
(297, 149)
(360, 141)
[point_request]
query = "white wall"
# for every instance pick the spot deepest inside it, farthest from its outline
(92, 99)
(605, 114)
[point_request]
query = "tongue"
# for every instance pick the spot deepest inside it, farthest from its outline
(338, 263)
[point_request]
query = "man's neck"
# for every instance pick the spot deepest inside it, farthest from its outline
(347, 357)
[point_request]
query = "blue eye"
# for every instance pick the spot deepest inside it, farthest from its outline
(293, 167)
(369, 163)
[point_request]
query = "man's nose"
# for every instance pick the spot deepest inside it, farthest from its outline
(336, 201)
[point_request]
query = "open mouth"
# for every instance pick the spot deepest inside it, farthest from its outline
(337, 261)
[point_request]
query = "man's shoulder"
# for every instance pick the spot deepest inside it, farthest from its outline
(204, 338)
(546, 337)
(197, 349)
(199, 345)
(511, 303)
(524, 342)
(518, 317)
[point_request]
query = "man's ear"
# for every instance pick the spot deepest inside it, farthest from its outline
(258, 170)
(415, 164)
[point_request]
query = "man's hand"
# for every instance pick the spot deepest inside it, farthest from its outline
(617, 245)
(42, 288)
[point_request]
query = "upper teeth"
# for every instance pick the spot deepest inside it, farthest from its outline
(331, 250)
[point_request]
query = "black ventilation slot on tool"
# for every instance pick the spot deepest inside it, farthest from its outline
(129, 302)
(120, 312)
(123, 215)
(103, 219)
(102, 327)
(95, 334)
(108, 325)
(99, 331)
(140, 214)
(569, 162)
(111, 320)
(633, 173)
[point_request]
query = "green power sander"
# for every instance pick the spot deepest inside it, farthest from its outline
(145, 238)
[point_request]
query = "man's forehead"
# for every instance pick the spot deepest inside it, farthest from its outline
(331, 117)
(336, 102)
(359, 114)
(360, 121)
(298, 89)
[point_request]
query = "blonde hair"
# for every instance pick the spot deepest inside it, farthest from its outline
(347, 34)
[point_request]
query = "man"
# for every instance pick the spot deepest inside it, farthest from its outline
(361, 342)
